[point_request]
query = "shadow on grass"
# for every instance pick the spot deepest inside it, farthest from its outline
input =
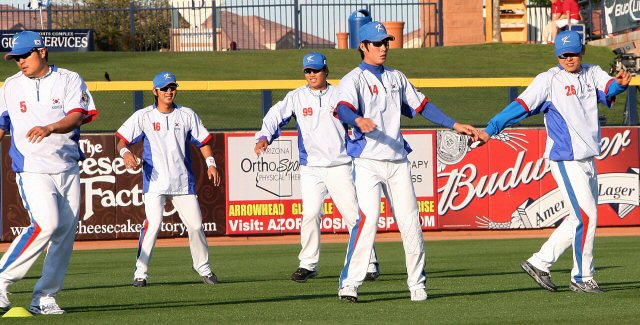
(195, 303)
(520, 271)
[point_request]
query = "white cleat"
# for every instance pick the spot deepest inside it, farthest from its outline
(5, 304)
(47, 309)
(419, 295)
(349, 293)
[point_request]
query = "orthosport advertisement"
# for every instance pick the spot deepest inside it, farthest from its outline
(263, 195)
(112, 198)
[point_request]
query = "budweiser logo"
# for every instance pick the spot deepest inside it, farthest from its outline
(464, 184)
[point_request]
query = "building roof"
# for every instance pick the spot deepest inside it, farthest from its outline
(255, 32)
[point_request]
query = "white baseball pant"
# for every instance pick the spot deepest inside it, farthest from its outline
(189, 212)
(53, 204)
(315, 183)
(372, 178)
(578, 183)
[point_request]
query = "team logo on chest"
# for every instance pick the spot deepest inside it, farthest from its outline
(56, 103)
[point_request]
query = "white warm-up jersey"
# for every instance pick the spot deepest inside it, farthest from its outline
(321, 136)
(383, 102)
(167, 155)
(29, 102)
(570, 104)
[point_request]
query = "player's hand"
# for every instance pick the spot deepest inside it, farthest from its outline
(261, 146)
(623, 78)
(37, 133)
(365, 125)
(214, 176)
(483, 137)
(131, 161)
(466, 129)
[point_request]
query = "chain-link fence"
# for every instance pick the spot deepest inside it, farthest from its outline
(219, 25)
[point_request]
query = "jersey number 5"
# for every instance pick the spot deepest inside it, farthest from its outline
(23, 106)
(571, 90)
(156, 126)
(308, 111)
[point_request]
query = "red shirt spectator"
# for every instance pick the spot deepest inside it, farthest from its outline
(556, 7)
(572, 8)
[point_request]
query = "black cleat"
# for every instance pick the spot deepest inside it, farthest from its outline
(302, 275)
(211, 278)
(541, 277)
(140, 282)
(372, 276)
(589, 287)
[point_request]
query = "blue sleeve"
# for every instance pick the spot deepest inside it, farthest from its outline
(432, 113)
(615, 89)
(510, 115)
(347, 115)
(5, 122)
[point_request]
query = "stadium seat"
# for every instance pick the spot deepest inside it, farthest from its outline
(580, 28)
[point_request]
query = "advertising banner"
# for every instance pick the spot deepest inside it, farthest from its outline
(621, 15)
(263, 194)
(506, 184)
(112, 199)
(55, 40)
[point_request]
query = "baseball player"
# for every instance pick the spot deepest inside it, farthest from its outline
(372, 98)
(568, 95)
(325, 166)
(43, 106)
(166, 129)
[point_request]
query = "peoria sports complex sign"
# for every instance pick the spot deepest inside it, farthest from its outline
(502, 185)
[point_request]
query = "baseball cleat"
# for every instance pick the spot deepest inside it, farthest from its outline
(372, 276)
(348, 293)
(140, 282)
(47, 309)
(302, 275)
(590, 286)
(541, 277)
(211, 278)
(419, 295)
(5, 304)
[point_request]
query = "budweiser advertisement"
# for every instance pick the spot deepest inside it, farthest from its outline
(112, 199)
(506, 184)
(263, 193)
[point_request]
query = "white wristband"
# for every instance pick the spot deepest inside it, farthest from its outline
(211, 162)
(123, 151)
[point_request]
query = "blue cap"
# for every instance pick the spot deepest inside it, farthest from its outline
(568, 42)
(314, 60)
(374, 32)
(164, 78)
(24, 42)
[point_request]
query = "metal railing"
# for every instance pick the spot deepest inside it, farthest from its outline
(208, 25)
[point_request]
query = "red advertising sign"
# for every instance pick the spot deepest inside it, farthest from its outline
(263, 193)
(112, 198)
(506, 184)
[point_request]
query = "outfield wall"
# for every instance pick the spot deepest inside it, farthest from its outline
(503, 185)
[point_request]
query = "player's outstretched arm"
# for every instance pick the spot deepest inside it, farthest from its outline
(130, 160)
(261, 146)
(212, 169)
(65, 125)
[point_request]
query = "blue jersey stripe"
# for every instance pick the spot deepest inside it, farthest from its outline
(559, 132)
(27, 237)
(578, 239)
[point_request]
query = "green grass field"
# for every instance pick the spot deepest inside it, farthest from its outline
(242, 110)
(469, 282)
